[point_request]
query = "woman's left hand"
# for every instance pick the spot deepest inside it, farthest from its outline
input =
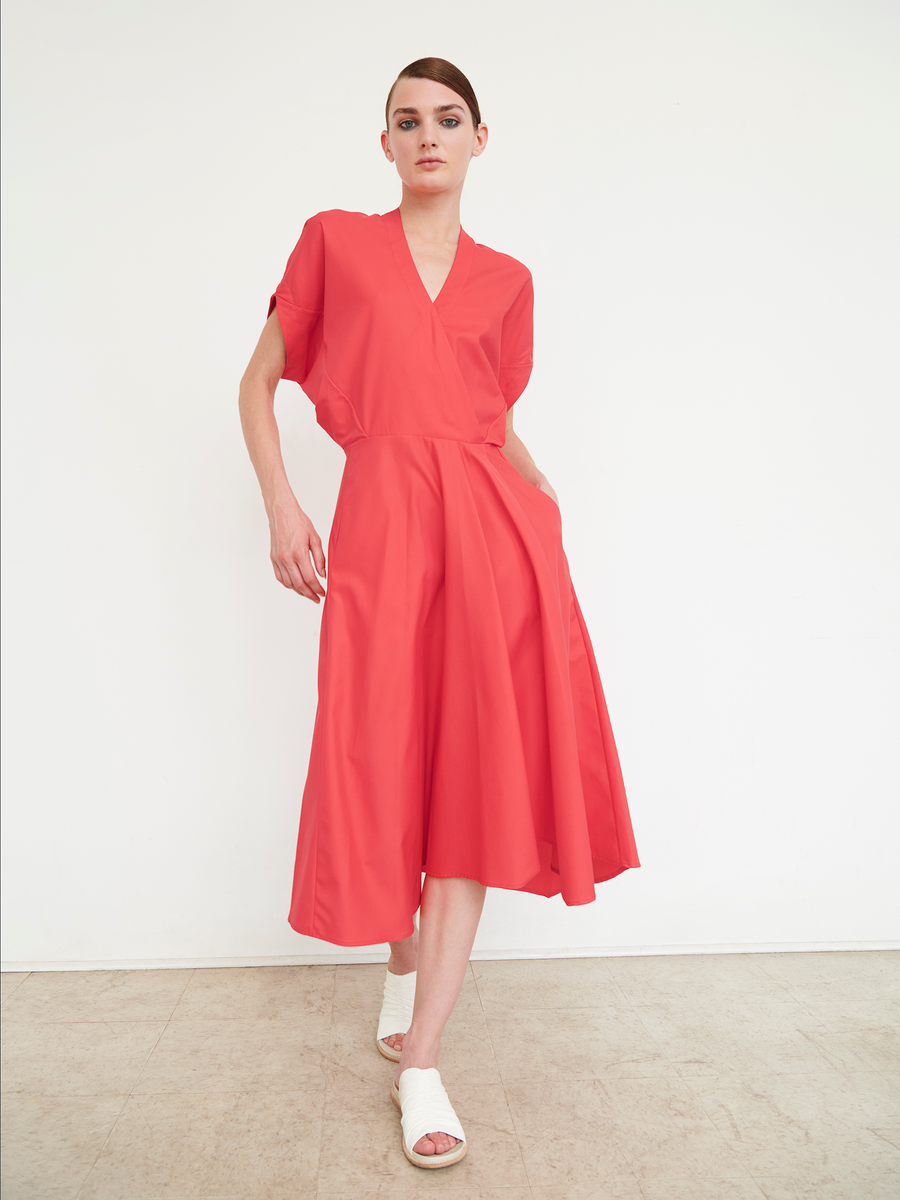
(545, 486)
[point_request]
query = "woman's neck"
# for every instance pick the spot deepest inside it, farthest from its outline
(432, 218)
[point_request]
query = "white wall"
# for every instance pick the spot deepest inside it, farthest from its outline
(707, 195)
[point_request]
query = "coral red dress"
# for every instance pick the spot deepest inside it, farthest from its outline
(461, 726)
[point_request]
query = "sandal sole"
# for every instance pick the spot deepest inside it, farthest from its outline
(386, 1052)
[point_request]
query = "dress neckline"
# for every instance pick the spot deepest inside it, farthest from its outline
(457, 274)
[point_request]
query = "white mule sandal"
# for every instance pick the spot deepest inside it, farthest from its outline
(396, 1008)
(425, 1108)
(396, 1011)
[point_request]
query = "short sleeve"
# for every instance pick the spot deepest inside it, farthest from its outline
(516, 344)
(299, 299)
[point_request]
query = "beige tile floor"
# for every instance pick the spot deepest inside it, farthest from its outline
(696, 1077)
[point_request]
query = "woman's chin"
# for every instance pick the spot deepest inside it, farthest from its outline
(429, 183)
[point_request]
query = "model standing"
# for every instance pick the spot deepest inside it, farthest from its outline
(461, 728)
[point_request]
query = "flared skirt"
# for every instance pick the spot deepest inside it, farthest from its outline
(461, 726)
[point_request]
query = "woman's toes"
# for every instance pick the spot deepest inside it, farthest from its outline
(435, 1143)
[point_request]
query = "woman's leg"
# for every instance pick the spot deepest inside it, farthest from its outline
(448, 921)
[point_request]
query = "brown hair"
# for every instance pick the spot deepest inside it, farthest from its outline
(440, 71)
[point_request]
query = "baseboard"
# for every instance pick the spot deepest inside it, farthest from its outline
(339, 957)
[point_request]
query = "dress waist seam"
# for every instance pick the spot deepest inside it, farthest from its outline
(427, 437)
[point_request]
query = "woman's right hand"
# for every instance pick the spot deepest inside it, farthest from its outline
(296, 550)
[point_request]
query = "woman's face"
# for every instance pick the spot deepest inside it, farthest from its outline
(431, 138)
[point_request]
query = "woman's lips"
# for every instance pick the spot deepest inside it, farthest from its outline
(430, 162)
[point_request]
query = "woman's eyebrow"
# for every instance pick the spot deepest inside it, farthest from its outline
(439, 108)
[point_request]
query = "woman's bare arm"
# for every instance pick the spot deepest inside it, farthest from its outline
(517, 453)
(296, 547)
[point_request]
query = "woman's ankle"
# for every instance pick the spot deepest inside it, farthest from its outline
(404, 955)
(419, 1050)
(398, 965)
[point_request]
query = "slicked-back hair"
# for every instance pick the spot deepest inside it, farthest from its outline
(440, 71)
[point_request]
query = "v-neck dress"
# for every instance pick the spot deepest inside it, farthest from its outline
(461, 727)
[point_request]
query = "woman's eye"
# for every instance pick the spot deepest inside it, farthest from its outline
(453, 122)
(407, 124)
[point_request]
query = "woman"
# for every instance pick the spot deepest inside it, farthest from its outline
(461, 729)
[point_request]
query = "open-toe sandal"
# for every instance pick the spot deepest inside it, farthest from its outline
(425, 1108)
(396, 1011)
